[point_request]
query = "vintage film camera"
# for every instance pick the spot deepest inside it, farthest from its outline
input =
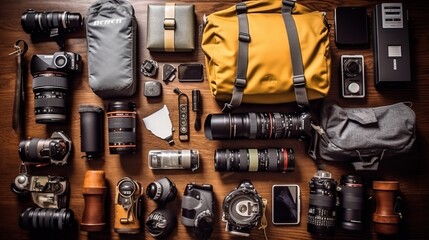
(242, 209)
(54, 150)
(128, 206)
(50, 84)
(197, 209)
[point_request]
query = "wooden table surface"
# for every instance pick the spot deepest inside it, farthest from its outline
(410, 170)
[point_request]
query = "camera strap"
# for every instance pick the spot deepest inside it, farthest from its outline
(18, 104)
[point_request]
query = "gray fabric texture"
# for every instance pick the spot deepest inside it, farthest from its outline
(111, 38)
(365, 136)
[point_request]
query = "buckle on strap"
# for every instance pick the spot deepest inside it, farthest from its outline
(169, 24)
(241, 8)
(289, 3)
(240, 83)
(243, 37)
(299, 81)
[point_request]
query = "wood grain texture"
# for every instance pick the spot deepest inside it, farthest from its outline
(410, 170)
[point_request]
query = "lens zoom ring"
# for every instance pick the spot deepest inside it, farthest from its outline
(125, 122)
(49, 102)
(122, 137)
(50, 81)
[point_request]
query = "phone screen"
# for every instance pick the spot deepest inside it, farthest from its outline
(192, 72)
(286, 204)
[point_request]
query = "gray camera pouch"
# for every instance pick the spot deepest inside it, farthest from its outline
(364, 136)
(111, 35)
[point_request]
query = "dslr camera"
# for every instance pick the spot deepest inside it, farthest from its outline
(197, 209)
(54, 150)
(46, 191)
(50, 84)
(352, 76)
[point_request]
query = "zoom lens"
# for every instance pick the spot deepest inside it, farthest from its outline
(254, 160)
(46, 219)
(257, 126)
(351, 195)
(321, 212)
(50, 92)
(44, 22)
(54, 150)
(121, 119)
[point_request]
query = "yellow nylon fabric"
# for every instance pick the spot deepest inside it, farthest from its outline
(269, 74)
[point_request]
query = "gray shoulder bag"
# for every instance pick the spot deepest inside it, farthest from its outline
(364, 136)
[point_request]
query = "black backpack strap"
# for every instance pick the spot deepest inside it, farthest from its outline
(242, 58)
(295, 52)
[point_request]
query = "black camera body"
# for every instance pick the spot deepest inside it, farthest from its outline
(352, 76)
(242, 209)
(197, 209)
(63, 62)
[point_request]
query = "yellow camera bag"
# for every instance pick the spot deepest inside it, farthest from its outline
(267, 52)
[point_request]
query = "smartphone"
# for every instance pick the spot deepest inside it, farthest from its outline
(286, 204)
(191, 72)
(351, 27)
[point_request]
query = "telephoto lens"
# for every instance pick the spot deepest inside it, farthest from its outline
(46, 219)
(128, 206)
(351, 194)
(242, 209)
(254, 160)
(174, 159)
(321, 211)
(94, 193)
(257, 126)
(45, 22)
(55, 150)
(387, 215)
(91, 130)
(161, 191)
(121, 120)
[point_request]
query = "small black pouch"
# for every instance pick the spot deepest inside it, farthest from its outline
(365, 136)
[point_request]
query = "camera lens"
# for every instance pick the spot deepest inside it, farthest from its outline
(351, 194)
(321, 211)
(54, 150)
(50, 92)
(160, 223)
(161, 191)
(60, 61)
(257, 126)
(254, 160)
(46, 219)
(121, 119)
(352, 67)
(44, 22)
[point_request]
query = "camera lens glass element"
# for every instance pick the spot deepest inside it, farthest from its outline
(121, 119)
(352, 67)
(252, 160)
(321, 211)
(60, 61)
